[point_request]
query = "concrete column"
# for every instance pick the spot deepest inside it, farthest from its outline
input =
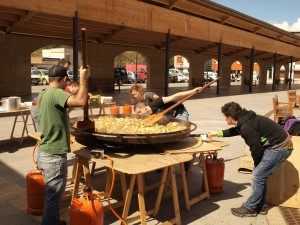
(246, 73)
(196, 70)
(156, 70)
(101, 61)
(226, 73)
(263, 74)
(277, 74)
(286, 72)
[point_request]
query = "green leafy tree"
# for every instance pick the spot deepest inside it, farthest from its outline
(129, 57)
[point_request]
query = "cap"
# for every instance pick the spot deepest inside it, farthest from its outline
(58, 71)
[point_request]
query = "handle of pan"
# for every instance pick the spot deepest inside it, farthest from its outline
(84, 47)
(189, 96)
(84, 64)
(194, 128)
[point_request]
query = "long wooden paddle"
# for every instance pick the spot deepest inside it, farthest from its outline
(151, 120)
(86, 124)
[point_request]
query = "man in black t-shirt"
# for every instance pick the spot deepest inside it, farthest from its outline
(158, 106)
(163, 103)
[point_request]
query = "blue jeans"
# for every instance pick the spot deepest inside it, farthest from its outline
(35, 117)
(183, 116)
(55, 171)
(271, 160)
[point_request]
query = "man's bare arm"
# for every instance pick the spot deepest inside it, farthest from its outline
(179, 95)
(81, 97)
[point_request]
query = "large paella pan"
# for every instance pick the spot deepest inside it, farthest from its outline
(93, 138)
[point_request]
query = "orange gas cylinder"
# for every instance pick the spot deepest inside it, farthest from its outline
(35, 192)
(87, 210)
(215, 173)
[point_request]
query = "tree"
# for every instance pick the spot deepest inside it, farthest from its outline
(129, 57)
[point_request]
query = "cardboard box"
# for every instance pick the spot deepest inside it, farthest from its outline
(246, 164)
(283, 185)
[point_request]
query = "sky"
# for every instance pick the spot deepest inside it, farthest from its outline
(283, 14)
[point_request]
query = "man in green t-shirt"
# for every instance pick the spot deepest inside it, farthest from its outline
(55, 138)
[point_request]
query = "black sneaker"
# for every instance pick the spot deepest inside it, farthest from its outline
(263, 210)
(243, 211)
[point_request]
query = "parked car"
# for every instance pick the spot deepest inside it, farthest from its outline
(210, 76)
(35, 76)
(175, 71)
(182, 78)
(235, 77)
(131, 77)
(187, 77)
(39, 77)
(173, 75)
(232, 77)
(141, 69)
(173, 78)
(120, 75)
(43, 67)
(45, 77)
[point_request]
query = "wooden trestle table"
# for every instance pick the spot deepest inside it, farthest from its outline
(24, 113)
(135, 161)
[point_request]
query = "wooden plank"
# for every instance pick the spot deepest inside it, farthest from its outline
(75, 146)
(123, 185)
(175, 195)
(160, 191)
(185, 188)
(191, 145)
(128, 198)
(141, 199)
(136, 161)
(78, 173)
(205, 180)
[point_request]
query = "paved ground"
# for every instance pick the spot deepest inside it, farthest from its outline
(204, 109)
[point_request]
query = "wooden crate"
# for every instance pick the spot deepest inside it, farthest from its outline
(283, 185)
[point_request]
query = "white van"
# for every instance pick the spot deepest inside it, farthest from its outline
(175, 71)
